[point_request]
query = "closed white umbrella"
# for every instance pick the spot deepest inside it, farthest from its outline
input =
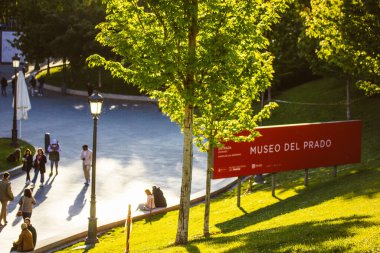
(23, 101)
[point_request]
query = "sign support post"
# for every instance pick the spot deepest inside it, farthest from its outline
(306, 177)
(335, 171)
(274, 184)
(238, 192)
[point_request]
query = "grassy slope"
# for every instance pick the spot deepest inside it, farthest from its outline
(6, 149)
(109, 84)
(330, 215)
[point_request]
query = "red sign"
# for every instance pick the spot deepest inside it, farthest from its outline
(291, 147)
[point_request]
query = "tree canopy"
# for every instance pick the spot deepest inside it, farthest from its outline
(347, 34)
(60, 29)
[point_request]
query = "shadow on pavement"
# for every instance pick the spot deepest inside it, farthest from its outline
(41, 193)
(79, 203)
(13, 204)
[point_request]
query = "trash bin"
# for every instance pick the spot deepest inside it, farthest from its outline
(63, 88)
(47, 142)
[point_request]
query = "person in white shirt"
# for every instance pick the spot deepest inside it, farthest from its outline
(86, 157)
(149, 205)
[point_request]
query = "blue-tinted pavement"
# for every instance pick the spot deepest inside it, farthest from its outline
(138, 147)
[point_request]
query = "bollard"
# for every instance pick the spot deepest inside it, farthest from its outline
(47, 142)
(64, 88)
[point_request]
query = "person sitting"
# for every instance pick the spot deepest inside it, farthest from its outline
(32, 229)
(15, 156)
(25, 240)
(149, 205)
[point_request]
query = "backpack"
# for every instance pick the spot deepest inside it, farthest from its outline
(159, 199)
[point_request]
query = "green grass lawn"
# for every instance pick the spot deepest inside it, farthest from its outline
(332, 214)
(6, 149)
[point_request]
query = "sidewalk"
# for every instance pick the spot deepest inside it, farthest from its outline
(138, 147)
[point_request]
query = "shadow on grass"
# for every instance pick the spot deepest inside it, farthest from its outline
(303, 237)
(154, 217)
(347, 186)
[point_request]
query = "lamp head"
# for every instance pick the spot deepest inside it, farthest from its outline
(96, 101)
(16, 61)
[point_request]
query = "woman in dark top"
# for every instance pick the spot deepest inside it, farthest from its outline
(27, 160)
(39, 166)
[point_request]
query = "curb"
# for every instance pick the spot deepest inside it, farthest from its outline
(15, 172)
(70, 240)
(105, 95)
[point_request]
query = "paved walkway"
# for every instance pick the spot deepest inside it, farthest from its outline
(138, 147)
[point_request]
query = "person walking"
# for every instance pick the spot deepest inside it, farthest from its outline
(39, 166)
(4, 85)
(41, 83)
(54, 150)
(32, 229)
(26, 203)
(86, 157)
(27, 160)
(25, 240)
(33, 85)
(6, 195)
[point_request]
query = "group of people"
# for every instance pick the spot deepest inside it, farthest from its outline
(37, 88)
(39, 162)
(28, 237)
(154, 198)
(35, 85)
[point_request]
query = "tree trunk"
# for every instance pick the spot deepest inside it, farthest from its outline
(184, 205)
(348, 113)
(191, 12)
(206, 231)
(48, 66)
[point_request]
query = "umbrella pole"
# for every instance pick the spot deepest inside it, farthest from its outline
(20, 128)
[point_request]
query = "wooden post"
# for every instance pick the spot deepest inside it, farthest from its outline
(128, 227)
(306, 177)
(335, 171)
(274, 184)
(238, 191)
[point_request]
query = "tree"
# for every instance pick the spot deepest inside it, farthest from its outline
(347, 34)
(291, 68)
(175, 50)
(60, 29)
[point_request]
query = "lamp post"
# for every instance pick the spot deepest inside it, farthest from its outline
(96, 102)
(16, 64)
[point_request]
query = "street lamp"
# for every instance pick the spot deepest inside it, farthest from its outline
(16, 64)
(96, 102)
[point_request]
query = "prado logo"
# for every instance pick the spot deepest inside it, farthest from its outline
(291, 147)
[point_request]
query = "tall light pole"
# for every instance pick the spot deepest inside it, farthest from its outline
(16, 64)
(96, 102)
